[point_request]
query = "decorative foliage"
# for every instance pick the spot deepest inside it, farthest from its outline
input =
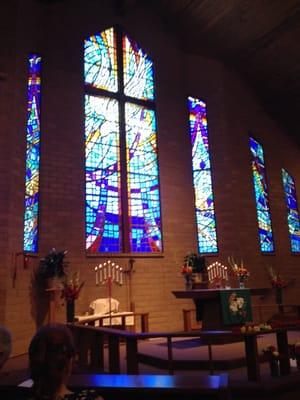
(53, 265)
(270, 352)
(293, 218)
(204, 201)
(72, 287)
(261, 197)
(275, 279)
(121, 149)
(195, 261)
(238, 270)
(32, 156)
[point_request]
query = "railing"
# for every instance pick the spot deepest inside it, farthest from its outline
(92, 319)
(90, 346)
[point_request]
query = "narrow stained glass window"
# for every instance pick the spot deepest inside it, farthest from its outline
(204, 199)
(261, 197)
(30, 241)
(122, 177)
(292, 210)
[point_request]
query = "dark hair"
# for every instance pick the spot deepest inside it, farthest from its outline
(50, 352)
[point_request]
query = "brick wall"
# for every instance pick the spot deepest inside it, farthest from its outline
(57, 32)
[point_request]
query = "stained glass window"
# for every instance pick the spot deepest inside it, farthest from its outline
(122, 177)
(204, 199)
(292, 210)
(30, 240)
(261, 197)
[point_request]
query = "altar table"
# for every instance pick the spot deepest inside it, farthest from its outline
(211, 304)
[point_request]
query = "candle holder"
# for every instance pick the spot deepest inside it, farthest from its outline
(107, 274)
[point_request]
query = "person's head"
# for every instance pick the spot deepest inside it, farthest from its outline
(50, 357)
(5, 345)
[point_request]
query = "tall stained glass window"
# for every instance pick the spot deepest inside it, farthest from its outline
(292, 210)
(30, 242)
(122, 177)
(261, 197)
(204, 199)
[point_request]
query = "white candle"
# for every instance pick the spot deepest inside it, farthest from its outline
(109, 270)
(117, 274)
(96, 271)
(104, 272)
(121, 276)
(100, 273)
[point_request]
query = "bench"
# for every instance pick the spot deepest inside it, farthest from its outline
(142, 387)
(158, 387)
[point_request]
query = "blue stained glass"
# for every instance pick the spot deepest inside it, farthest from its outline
(138, 71)
(292, 210)
(103, 220)
(107, 219)
(261, 197)
(204, 200)
(143, 183)
(30, 239)
(100, 67)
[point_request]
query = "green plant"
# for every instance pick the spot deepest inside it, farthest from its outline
(195, 261)
(53, 265)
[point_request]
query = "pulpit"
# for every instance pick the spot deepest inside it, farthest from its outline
(210, 302)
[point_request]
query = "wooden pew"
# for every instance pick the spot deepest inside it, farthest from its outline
(140, 387)
(158, 387)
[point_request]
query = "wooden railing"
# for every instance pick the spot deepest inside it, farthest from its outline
(93, 319)
(90, 345)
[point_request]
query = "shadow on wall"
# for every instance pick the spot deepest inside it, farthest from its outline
(38, 299)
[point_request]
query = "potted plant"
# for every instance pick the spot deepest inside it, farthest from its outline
(52, 268)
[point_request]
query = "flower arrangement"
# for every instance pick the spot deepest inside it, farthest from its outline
(72, 288)
(275, 279)
(270, 353)
(196, 262)
(53, 264)
(238, 270)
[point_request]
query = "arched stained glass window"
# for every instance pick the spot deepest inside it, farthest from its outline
(292, 210)
(204, 199)
(122, 177)
(261, 197)
(30, 241)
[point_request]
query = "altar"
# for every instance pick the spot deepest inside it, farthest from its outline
(210, 301)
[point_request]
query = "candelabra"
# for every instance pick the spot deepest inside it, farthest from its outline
(107, 274)
(217, 274)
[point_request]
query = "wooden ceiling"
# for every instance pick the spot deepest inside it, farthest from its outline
(258, 38)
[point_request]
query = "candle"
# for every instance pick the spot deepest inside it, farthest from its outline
(100, 273)
(104, 272)
(117, 274)
(121, 276)
(96, 271)
(109, 269)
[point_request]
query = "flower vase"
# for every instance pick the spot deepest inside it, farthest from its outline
(278, 295)
(241, 283)
(188, 282)
(70, 309)
(274, 368)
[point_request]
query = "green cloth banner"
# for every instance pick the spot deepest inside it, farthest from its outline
(236, 306)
